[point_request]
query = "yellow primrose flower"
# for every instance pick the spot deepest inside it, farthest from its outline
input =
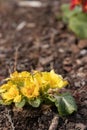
(17, 98)
(58, 80)
(24, 74)
(11, 93)
(27, 82)
(30, 91)
(19, 78)
(5, 87)
(28, 85)
(62, 83)
(54, 80)
(37, 76)
(43, 84)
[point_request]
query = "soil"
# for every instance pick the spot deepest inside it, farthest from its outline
(37, 39)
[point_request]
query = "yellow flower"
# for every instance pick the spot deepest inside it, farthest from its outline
(5, 87)
(62, 83)
(19, 78)
(30, 91)
(39, 78)
(11, 93)
(17, 98)
(30, 85)
(54, 80)
(23, 74)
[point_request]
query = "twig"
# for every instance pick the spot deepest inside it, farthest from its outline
(9, 118)
(35, 4)
(16, 58)
(9, 69)
(54, 123)
(47, 37)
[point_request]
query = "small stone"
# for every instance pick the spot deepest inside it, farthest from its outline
(81, 74)
(77, 84)
(74, 48)
(21, 26)
(82, 44)
(78, 62)
(61, 50)
(67, 61)
(45, 60)
(80, 126)
(83, 52)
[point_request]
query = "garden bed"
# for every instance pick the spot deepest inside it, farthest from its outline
(36, 39)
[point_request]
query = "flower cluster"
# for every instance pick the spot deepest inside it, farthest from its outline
(83, 3)
(25, 85)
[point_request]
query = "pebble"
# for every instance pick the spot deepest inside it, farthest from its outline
(45, 60)
(82, 44)
(80, 126)
(21, 26)
(83, 52)
(61, 50)
(77, 84)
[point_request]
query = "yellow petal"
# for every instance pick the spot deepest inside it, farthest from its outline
(17, 98)
(62, 84)
(5, 87)
(7, 96)
(11, 93)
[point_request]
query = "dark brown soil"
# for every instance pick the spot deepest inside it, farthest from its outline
(35, 38)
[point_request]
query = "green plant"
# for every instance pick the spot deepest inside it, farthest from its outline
(75, 16)
(35, 89)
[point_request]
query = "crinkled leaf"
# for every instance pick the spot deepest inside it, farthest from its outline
(67, 13)
(35, 102)
(65, 104)
(20, 104)
(78, 24)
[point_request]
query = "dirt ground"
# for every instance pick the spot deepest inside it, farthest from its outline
(36, 39)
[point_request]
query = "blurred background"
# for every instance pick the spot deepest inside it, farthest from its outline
(29, 31)
(34, 37)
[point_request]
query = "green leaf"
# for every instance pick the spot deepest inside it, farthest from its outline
(52, 99)
(35, 102)
(5, 103)
(76, 19)
(67, 13)
(78, 24)
(20, 104)
(1, 101)
(65, 104)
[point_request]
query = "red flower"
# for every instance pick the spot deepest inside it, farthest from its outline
(75, 3)
(82, 3)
